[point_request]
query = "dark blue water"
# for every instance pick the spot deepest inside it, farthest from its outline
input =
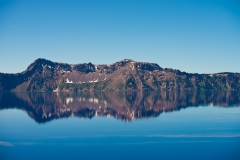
(118, 125)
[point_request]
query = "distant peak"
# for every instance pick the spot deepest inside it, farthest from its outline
(128, 60)
(124, 61)
(40, 60)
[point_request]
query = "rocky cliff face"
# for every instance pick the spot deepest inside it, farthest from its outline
(44, 75)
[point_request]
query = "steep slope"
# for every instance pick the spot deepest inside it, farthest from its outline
(44, 75)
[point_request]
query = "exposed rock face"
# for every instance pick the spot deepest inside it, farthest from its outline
(44, 75)
(84, 68)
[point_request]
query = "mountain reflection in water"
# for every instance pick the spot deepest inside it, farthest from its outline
(43, 107)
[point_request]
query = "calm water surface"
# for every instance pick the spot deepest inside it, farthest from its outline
(120, 125)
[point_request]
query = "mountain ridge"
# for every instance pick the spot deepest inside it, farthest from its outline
(46, 76)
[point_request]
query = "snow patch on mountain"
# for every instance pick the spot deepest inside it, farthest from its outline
(67, 81)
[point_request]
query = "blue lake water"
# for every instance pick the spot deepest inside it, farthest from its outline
(120, 125)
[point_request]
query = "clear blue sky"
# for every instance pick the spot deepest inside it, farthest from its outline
(196, 36)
